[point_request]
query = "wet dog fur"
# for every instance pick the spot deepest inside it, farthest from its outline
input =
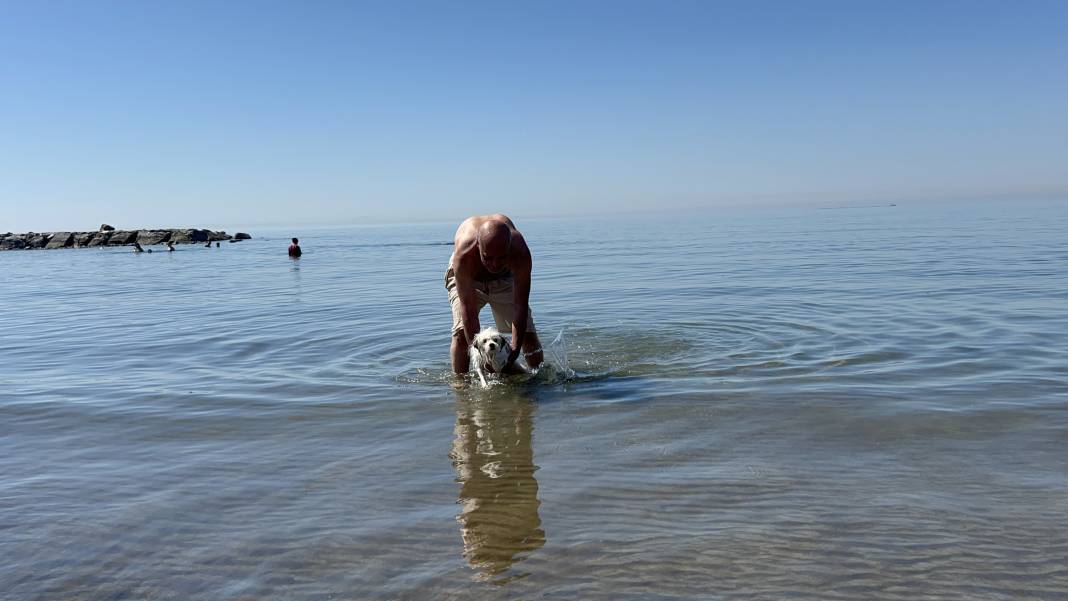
(489, 353)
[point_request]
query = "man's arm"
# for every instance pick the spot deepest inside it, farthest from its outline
(465, 291)
(521, 290)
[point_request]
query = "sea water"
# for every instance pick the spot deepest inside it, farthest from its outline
(840, 403)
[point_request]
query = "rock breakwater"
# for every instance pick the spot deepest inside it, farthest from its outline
(109, 236)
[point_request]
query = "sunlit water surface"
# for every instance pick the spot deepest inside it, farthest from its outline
(866, 403)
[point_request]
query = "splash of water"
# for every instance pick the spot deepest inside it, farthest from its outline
(558, 350)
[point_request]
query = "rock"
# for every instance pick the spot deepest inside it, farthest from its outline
(220, 235)
(189, 236)
(242, 236)
(83, 238)
(100, 239)
(153, 236)
(60, 240)
(118, 238)
(182, 236)
(106, 228)
(12, 243)
(37, 240)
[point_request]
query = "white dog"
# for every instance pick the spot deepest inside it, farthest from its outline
(489, 352)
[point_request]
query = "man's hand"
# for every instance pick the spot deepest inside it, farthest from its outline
(512, 356)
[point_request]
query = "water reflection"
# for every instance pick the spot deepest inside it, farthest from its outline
(494, 460)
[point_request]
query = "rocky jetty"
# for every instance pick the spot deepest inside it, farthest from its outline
(109, 236)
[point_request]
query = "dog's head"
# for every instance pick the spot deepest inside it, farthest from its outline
(492, 348)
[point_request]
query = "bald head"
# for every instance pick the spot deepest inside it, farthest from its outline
(494, 236)
(494, 242)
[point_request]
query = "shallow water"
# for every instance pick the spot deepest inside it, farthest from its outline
(821, 404)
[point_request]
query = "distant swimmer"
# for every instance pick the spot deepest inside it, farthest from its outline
(294, 249)
(491, 264)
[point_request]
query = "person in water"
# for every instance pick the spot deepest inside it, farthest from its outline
(491, 263)
(294, 249)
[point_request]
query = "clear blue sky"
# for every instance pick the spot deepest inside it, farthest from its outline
(186, 113)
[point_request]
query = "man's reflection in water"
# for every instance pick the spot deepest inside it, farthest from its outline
(494, 463)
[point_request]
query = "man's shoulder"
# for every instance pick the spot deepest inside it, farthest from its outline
(475, 221)
(467, 230)
(464, 261)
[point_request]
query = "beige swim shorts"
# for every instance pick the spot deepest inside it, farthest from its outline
(497, 293)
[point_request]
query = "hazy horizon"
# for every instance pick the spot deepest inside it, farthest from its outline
(295, 227)
(274, 114)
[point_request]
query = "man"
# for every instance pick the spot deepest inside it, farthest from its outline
(491, 264)
(294, 249)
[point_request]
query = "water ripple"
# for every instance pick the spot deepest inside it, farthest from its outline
(811, 405)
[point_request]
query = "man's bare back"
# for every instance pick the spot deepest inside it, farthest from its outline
(468, 261)
(491, 263)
